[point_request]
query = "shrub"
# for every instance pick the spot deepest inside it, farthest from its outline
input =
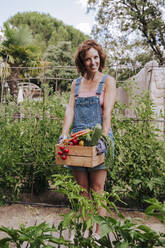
(138, 167)
(27, 144)
(126, 231)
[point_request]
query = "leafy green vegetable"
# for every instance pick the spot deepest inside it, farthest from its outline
(91, 138)
(97, 132)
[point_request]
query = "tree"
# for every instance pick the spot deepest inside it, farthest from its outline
(136, 20)
(60, 55)
(47, 30)
(53, 38)
(17, 49)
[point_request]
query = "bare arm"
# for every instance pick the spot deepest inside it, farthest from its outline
(109, 101)
(69, 113)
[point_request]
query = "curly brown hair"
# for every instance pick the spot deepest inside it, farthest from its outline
(81, 52)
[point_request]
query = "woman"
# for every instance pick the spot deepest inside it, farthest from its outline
(91, 101)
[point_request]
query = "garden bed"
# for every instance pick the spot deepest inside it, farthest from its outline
(16, 214)
(36, 209)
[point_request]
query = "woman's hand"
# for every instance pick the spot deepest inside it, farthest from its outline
(61, 139)
(101, 147)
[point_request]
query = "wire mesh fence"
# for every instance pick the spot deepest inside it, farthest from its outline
(59, 78)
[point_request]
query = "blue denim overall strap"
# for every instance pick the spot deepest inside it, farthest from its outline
(78, 80)
(101, 84)
(87, 111)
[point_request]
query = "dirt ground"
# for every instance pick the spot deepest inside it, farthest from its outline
(16, 214)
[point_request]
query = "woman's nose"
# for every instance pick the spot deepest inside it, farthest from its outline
(92, 61)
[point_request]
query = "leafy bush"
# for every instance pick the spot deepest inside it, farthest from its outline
(32, 236)
(27, 144)
(156, 209)
(126, 232)
(138, 167)
(27, 149)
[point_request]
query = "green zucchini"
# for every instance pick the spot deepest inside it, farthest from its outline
(97, 132)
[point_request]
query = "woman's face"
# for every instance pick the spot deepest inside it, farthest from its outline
(92, 60)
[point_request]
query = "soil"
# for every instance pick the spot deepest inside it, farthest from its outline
(16, 214)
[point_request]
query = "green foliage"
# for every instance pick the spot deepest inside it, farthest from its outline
(60, 55)
(126, 232)
(135, 164)
(47, 30)
(91, 138)
(32, 236)
(115, 232)
(21, 36)
(30, 37)
(97, 131)
(18, 47)
(27, 144)
(135, 26)
(156, 209)
(138, 166)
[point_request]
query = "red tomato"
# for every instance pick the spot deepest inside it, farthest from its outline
(60, 153)
(62, 147)
(75, 142)
(66, 150)
(64, 157)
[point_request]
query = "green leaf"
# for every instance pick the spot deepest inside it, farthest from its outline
(4, 243)
(68, 218)
(105, 229)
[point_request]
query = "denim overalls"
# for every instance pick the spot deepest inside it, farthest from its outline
(87, 114)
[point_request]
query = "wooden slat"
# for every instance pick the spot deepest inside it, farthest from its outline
(79, 150)
(91, 161)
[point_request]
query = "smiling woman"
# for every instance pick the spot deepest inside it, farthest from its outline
(91, 102)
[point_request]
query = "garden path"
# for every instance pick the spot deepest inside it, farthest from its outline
(16, 214)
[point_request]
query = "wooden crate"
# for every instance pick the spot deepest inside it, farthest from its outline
(80, 156)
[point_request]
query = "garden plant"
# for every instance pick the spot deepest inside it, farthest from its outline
(116, 232)
(29, 132)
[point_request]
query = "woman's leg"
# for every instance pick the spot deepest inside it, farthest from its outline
(82, 178)
(97, 182)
